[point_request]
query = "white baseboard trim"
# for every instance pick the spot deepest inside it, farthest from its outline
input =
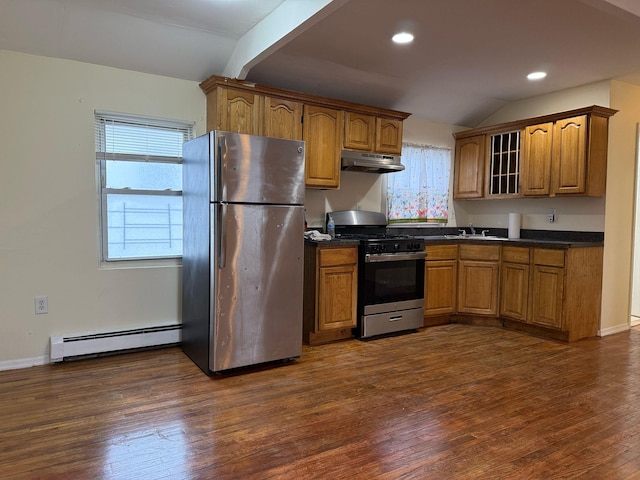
(611, 330)
(24, 363)
(634, 321)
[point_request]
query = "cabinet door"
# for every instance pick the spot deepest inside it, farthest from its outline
(322, 130)
(536, 159)
(547, 285)
(388, 136)
(478, 287)
(570, 156)
(514, 293)
(282, 118)
(359, 131)
(441, 280)
(469, 167)
(238, 111)
(337, 296)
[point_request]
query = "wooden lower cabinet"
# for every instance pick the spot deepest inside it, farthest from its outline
(546, 296)
(547, 286)
(478, 274)
(330, 293)
(552, 292)
(514, 283)
(565, 290)
(441, 280)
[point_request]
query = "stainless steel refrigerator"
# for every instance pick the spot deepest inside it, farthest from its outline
(242, 250)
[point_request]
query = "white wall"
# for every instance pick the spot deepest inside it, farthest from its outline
(621, 172)
(49, 203)
(635, 284)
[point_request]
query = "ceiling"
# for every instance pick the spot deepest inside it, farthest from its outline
(469, 57)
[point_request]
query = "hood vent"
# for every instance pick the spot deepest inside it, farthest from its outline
(370, 162)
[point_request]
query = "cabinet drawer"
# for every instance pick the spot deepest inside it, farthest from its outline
(480, 252)
(552, 258)
(441, 252)
(338, 256)
(515, 254)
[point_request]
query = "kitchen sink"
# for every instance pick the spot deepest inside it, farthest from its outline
(475, 237)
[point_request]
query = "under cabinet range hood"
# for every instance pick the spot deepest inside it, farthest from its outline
(370, 162)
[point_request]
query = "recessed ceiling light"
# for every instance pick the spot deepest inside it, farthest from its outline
(402, 37)
(537, 75)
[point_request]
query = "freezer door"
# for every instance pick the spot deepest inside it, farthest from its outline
(252, 169)
(257, 270)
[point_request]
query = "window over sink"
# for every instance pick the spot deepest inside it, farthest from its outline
(420, 193)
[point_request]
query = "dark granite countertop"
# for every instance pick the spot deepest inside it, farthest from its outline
(528, 238)
(546, 238)
(336, 242)
(524, 242)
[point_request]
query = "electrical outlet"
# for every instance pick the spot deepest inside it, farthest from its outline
(41, 305)
(551, 216)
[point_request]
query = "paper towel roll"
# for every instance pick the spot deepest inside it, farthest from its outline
(514, 225)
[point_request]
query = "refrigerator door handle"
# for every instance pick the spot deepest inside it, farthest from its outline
(222, 156)
(220, 240)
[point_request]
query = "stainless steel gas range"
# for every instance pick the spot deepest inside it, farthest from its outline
(390, 274)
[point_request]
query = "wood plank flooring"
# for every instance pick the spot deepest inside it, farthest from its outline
(447, 402)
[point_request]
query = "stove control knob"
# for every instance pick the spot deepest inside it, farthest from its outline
(396, 246)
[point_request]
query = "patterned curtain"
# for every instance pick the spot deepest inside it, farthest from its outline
(420, 193)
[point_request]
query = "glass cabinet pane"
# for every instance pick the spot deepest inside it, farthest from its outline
(505, 163)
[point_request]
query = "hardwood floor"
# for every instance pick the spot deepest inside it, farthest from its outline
(448, 402)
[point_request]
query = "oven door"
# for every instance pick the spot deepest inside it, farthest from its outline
(392, 278)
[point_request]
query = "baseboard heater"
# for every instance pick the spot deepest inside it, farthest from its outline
(66, 348)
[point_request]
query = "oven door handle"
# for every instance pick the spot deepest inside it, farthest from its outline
(394, 257)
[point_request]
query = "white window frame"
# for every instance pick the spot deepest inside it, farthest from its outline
(103, 156)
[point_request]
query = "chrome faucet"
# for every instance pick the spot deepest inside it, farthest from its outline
(484, 233)
(473, 230)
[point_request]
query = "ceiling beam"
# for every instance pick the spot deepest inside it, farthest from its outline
(631, 6)
(284, 24)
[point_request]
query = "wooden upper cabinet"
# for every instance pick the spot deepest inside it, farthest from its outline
(388, 136)
(562, 153)
(570, 155)
(322, 131)
(536, 159)
(372, 134)
(469, 167)
(282, 118)
(234, 111)
(359, 131)
(245, 107)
